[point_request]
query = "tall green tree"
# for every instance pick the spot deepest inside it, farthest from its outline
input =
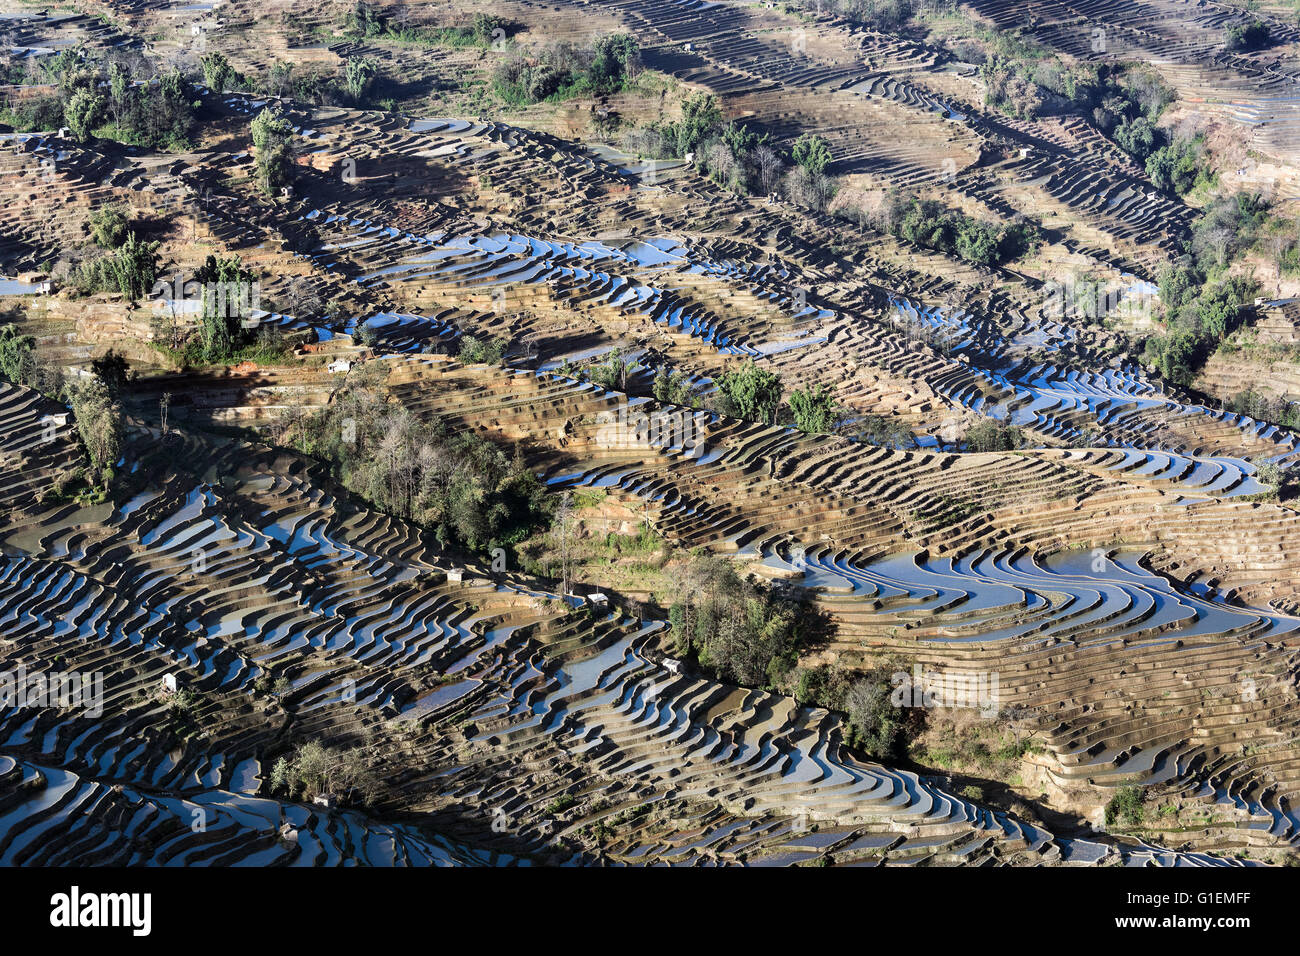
(134, 267)
(700, 116)
(17, 354)
(225, 282)
(108, 226)
(218, 73)
(99, 423)
(273, 140)
(811, 152)
(358, 75)
(83, 112)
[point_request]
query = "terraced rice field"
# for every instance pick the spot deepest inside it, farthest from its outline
(234, 584)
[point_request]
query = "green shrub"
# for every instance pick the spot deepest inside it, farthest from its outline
(1244, 37)
(814, 410)
(751, 392)
(1126, 805)
(927, 223)
(477, 351)
(1180, 167)
(108, 226)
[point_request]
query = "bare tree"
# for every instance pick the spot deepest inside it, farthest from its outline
(563, 520)
(1020, 719)
(808, 189)
(1279, 244)
(721, 163)
(303, 299)
(768, 167)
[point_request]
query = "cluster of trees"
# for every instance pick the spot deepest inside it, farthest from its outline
(18, 362)
(1266, 408)
(1198, 316)
(872, 723)
(219, 74)
(122, 96)
(733, 629)
(365, 21)
(929, 224)
(224, 280)
(128, 265)
(1123, 101)
(885, 431)
(701, 120)
(750, 392)
(1227, 227)
(1126, 806)
(354, 84)
(108, 225)
(670, 386)
(747, 162)
(674, 387)
(1278, 241)
(1180, 166)
(745, 391)
(885, 16)
(119, 96)
(477, 351)
(1203, 304)
(1023, 78)
(1245, 37)
(462, 486)
(564, 70)
(99, 425)
(1009, 89)
(814, 411)
(755, 393)
(614, 372)
(229, 292)
(1128, 105)
(806, 184)
(114, 371)
(314, 769)
(1276, 478)
(738, 157)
